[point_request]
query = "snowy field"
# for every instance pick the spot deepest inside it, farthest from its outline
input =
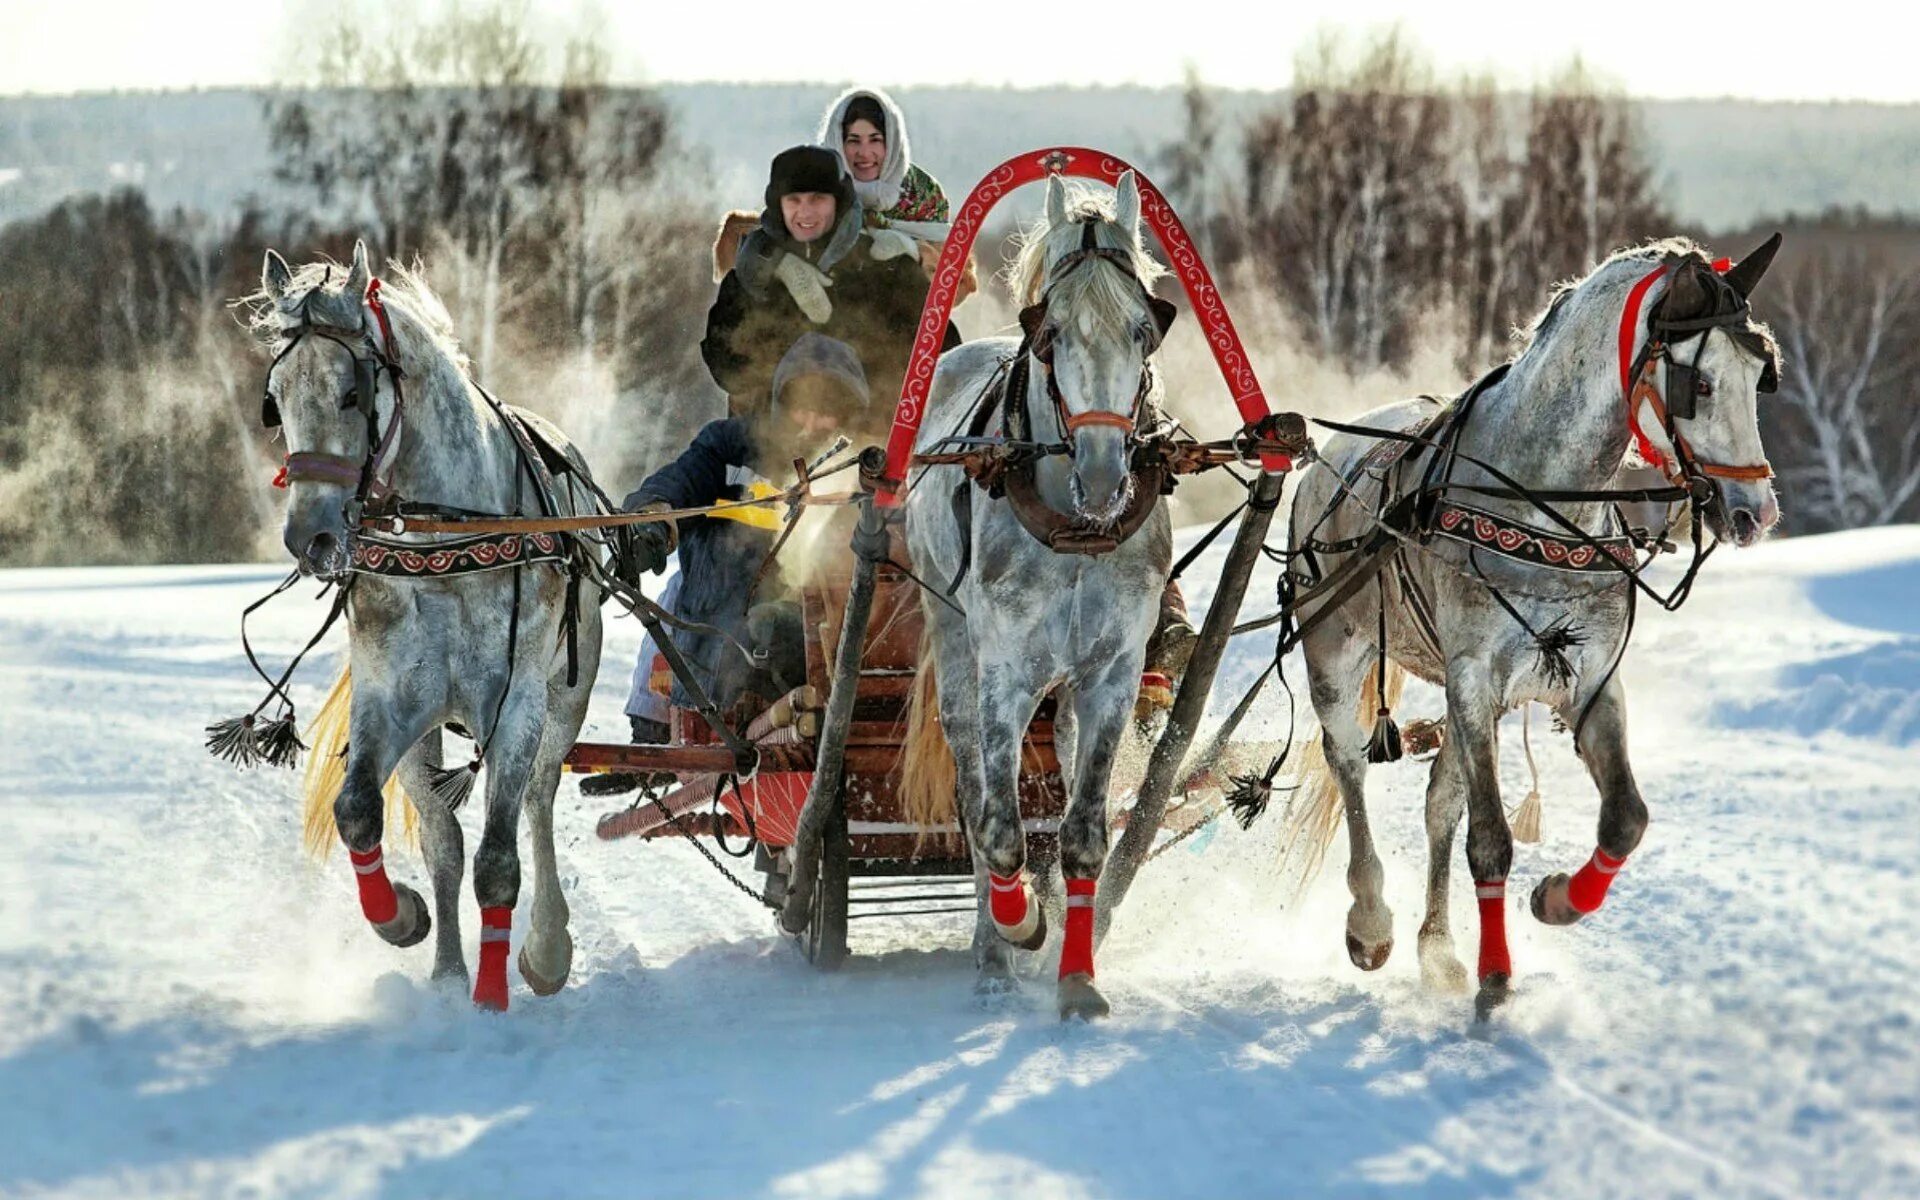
(191, 1007)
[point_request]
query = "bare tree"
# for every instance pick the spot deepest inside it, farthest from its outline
(1847, 330)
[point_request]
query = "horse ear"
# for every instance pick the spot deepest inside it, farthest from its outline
(1126, 203)
(1032, 317)
(1746, 274)
(1689, 295)
(275, 276)
(1056, 201)
(1164, 311)
(360, 273)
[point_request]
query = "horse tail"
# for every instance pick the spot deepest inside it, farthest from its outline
(1318, 809)
(327, 772)
(927, 770)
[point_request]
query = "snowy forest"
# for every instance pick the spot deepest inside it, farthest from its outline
(1379, 230)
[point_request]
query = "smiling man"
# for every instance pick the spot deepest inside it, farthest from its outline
(811, 266)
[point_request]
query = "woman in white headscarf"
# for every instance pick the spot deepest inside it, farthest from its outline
(905, 206)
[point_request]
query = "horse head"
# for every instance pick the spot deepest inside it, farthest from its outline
(1091, 324)
(333, 390)
(1718, 361)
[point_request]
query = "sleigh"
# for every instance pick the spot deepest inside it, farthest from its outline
(812, 784)
(877, 858)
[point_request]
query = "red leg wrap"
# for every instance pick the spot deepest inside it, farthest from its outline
(1007, 900)
(1492, 895)
(490, 985)
(377, 900)
(1588, 888)
(1076, 949)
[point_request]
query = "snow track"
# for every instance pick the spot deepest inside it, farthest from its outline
(194, 1009)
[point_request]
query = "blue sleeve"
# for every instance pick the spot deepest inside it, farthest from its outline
(699, 475)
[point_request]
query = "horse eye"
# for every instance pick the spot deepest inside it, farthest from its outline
(1702, 386)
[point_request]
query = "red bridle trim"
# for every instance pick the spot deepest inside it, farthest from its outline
(380, 314)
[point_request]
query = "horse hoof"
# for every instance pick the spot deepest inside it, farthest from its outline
(1368, 958)
(1494, 990)
(1550, 904)
(993, 982)
(1079, 998)
(538, 984)
(411, 921)
(1442, 972)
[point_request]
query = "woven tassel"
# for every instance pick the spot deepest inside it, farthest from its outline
(279, 741)
(1250, 794)
(1384, 746)
(452, 786)
(1551, 645)
(235, 740)
(1525, 821)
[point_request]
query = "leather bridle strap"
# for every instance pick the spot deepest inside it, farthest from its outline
(1126, 422)
(1645, 392)
(310, 467)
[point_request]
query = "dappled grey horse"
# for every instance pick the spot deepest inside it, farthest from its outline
(484, 632)
(1036, 620)
(1484, 546)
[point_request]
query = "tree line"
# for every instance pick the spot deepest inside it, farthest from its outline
(1378, 207)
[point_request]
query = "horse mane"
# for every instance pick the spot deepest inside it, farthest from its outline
(1106, 297)
(422, 326)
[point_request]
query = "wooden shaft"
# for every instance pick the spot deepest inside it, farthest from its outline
(1190, 703)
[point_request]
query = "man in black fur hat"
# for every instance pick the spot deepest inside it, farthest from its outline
(812, 266)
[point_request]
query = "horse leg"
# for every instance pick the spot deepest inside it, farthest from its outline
(442, 844)
(511, 747)
(1337, 664)
(1559, 899)
(377, 737)
(1101, 710)
(1472, 727)
(1440, 967)
(960, 722)
(546, 957)
(1006, 708)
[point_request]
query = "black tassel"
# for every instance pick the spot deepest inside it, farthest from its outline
(1552, 644)
(1384, 746)
(235, 739)
(279, 741)
(452, 786)
(1250, 794)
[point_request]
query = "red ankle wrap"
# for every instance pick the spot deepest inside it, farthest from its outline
(490, 985)
(1007, 899)
(377, 901)
(1076, 949)
(1492, 895)
(1588, 888)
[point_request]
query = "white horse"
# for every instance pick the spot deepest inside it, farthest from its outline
(1038, 621)
(376, 399)
(1653, 357)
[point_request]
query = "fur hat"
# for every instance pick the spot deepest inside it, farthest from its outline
(808, 169)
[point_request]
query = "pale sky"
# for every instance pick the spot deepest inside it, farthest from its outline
(1841, 49)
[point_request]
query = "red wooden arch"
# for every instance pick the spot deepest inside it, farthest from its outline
(1202, 295)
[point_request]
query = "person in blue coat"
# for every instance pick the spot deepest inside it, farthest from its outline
(818, 389)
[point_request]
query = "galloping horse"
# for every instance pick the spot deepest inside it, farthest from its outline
(486, 632)
(1503, 566)
(1038, 620)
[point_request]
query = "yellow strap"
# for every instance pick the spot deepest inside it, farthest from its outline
(760, 516)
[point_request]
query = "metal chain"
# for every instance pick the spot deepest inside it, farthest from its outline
(707, 854)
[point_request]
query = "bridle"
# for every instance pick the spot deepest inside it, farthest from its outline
(1039, 338)
(367, 476)
(1639, 377)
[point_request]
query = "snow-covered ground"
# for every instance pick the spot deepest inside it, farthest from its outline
(192, 1007)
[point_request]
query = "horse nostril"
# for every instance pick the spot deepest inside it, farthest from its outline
(1745, 528)
(320, 549)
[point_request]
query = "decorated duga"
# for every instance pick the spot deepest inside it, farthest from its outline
(918, 707)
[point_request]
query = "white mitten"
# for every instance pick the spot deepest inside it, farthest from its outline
(807, 286)
(891, 243)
